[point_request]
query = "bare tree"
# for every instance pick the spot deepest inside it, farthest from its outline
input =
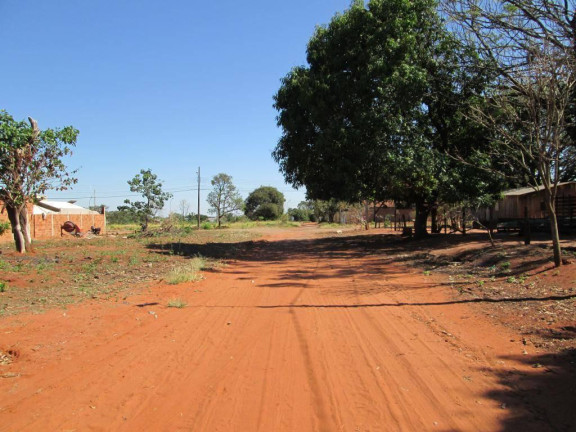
(184, 207)
(531, 46)
(530, 125)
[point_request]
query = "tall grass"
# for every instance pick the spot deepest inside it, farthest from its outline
(190, 272)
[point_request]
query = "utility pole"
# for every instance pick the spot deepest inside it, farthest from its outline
(198, 197)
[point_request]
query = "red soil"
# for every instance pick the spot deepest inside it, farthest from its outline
(300, 334)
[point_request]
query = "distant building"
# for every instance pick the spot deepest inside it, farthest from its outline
(517, 203)
(47, 216)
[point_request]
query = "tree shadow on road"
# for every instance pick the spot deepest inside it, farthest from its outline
(377, 254)
(542, 399)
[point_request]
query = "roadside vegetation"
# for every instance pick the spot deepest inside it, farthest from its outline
(67, 271)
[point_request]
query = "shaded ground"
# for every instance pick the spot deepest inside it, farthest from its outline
(306, 330)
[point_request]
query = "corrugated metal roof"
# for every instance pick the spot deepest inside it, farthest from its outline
(528, 190)
(58, 207)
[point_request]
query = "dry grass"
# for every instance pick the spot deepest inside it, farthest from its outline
(177, 303)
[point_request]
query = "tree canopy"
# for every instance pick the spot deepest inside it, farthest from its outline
(381, 100)
(31, 163)
(264, 203)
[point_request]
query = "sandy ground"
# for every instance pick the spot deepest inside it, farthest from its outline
(300, 334)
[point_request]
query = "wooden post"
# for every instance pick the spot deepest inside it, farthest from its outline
(527, 233)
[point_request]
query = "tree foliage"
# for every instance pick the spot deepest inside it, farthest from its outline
(31, 163)
(304, 212)
(381, 100)
(150, 188)
(224, 198)
(264, 203)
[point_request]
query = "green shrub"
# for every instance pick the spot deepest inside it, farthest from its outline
(4, 226)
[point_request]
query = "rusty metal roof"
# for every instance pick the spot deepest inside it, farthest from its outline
(528, 190)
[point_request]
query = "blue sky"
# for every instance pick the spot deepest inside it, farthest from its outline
(170, 86)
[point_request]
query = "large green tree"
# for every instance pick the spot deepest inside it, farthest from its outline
(31, 163)
(378, 105)
(224, 198)
(147, 184)
(264, 203)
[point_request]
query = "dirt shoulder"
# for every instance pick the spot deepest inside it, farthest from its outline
(304, 329)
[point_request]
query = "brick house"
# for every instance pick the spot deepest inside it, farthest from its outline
(46, 217)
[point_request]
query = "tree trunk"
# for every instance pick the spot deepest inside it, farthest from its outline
(420, 229)
(554, 230)
(14, 217)
(25, 228)
(434, 217)
(527, 228)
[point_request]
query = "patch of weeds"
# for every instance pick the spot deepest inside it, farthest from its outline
(89, 267)
(177, 303)
(3, 286)
(4, 227)
(512, 280)
(43, 266)
(427, 273)
(18, 267)
(182, 275)
(4, 265)
(134, 261)
(189, 272)
(480, 283)
(505, 265)
(212, 264)
(79, 278)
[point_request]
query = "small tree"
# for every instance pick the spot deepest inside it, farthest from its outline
(31, 162)
(225, 198)
(148, 185)
(184, 207)
(266, 203)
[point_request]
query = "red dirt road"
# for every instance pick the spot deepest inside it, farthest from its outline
(301, 334)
